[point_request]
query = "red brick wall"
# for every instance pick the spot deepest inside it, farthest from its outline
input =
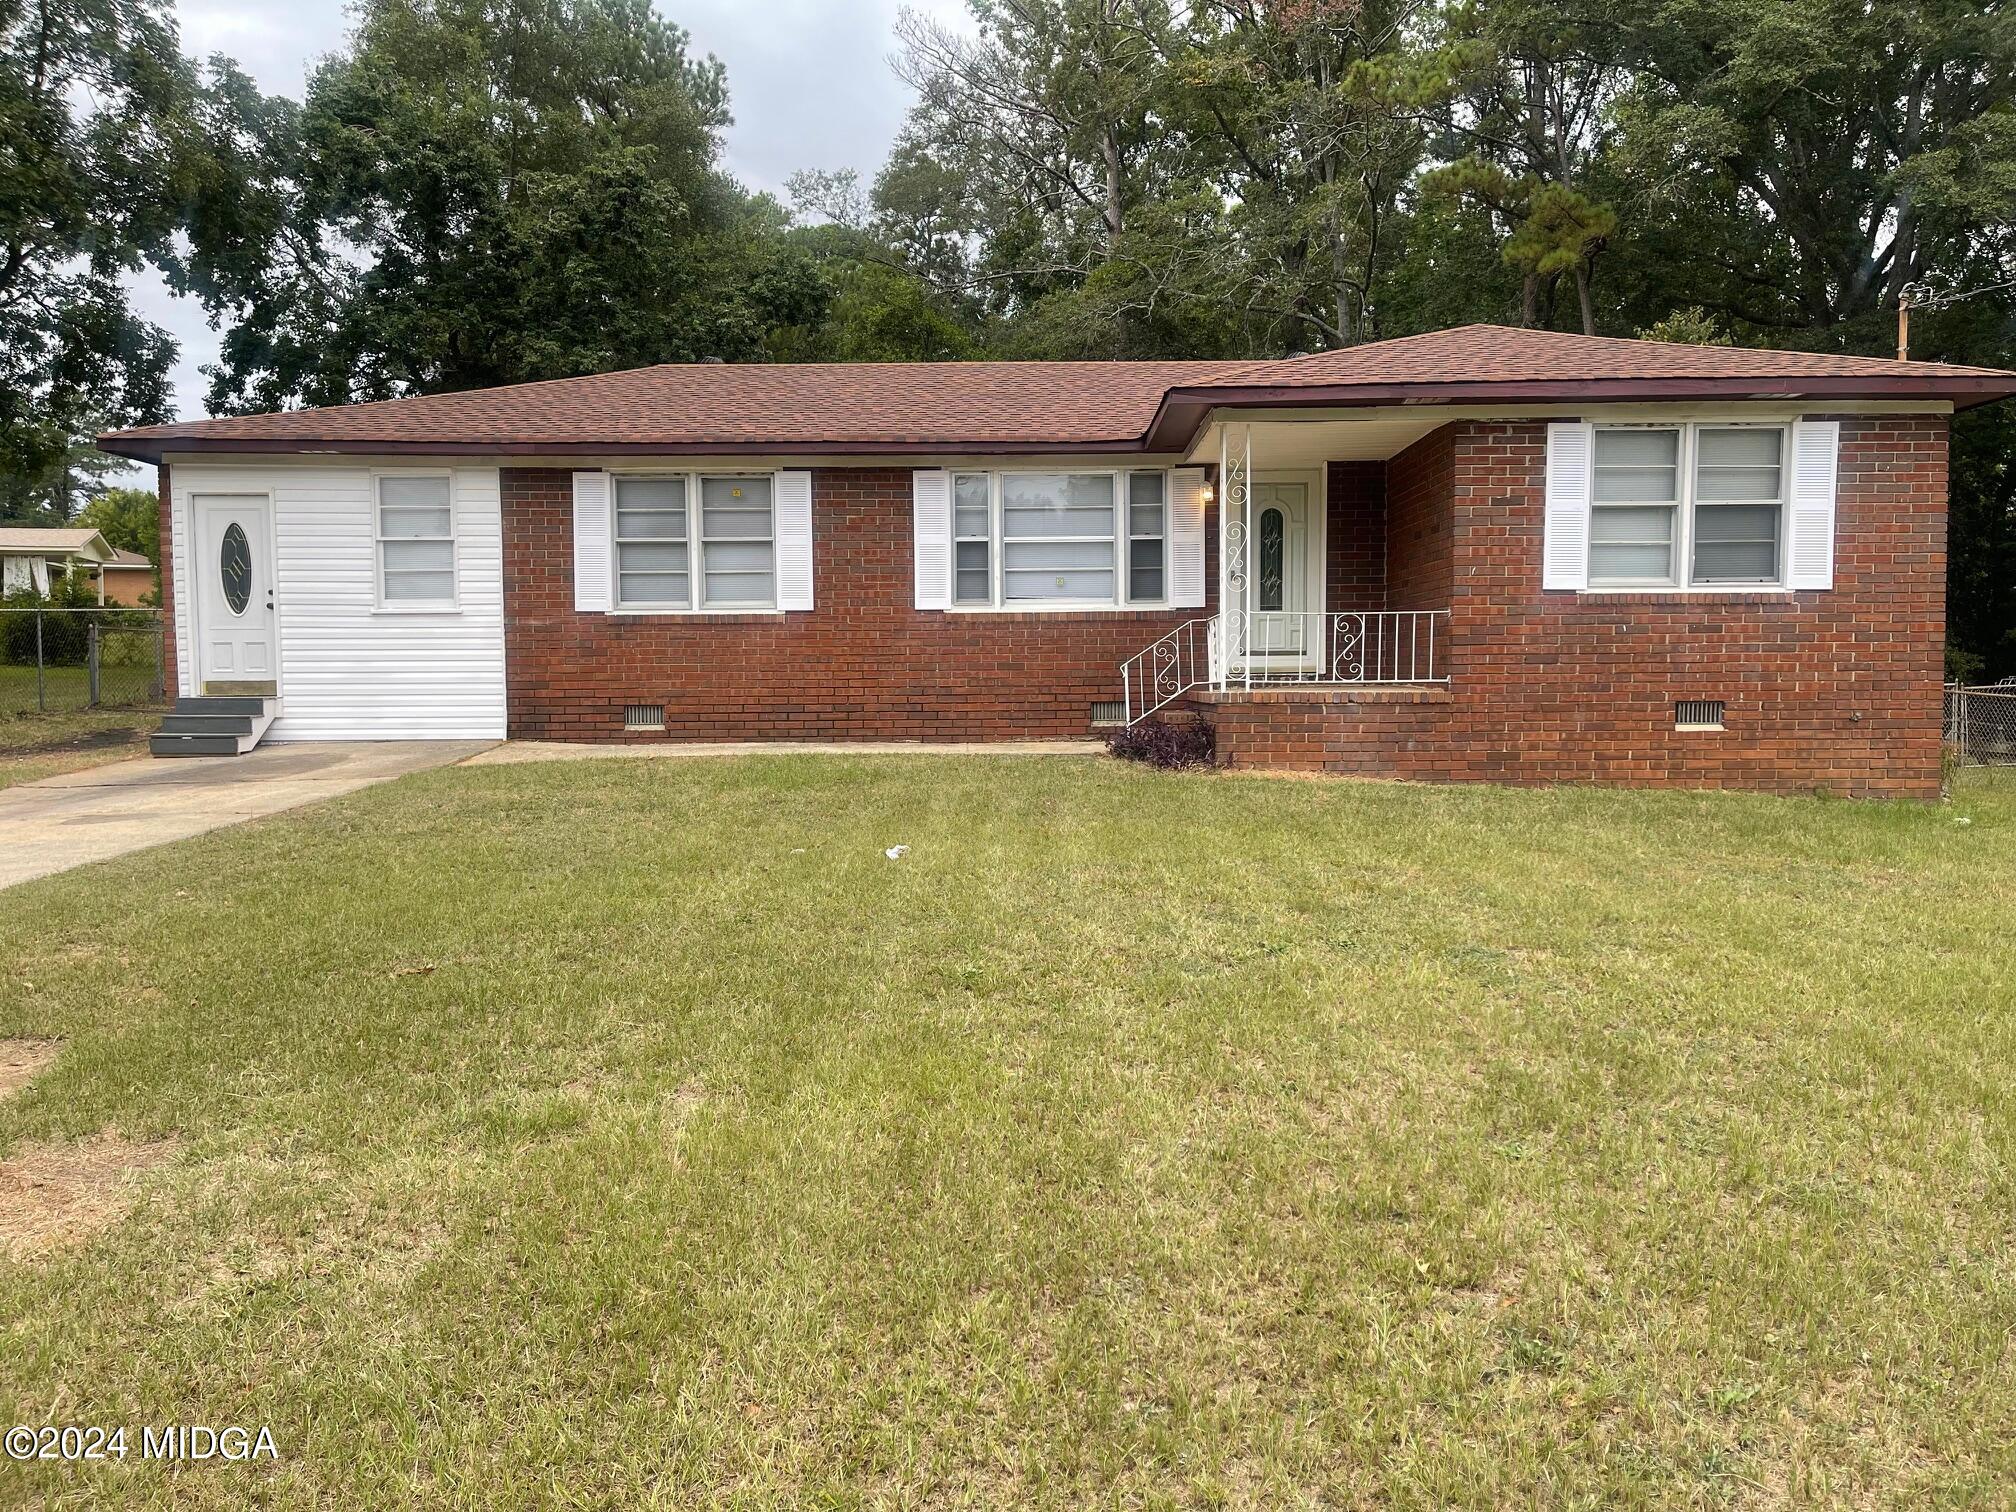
(1420, 564)
(1836, 691)
(1355, 573)
(863, 664)
(168, 671)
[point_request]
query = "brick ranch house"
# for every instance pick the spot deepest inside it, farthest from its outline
(1482, 553)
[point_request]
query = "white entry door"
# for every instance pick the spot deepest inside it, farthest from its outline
(237, 640)
(1285, 557)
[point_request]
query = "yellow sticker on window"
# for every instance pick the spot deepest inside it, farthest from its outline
(734, 493)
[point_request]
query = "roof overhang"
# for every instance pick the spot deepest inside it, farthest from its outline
(1184, 411)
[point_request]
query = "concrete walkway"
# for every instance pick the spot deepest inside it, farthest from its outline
(79, 817)
(511, 752)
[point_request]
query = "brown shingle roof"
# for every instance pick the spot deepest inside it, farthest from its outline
(56, 540)
(1035, 406)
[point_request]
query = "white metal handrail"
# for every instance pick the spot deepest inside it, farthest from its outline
(1265, 648)
(1162, 672)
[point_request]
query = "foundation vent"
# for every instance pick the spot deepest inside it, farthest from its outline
(1698, 714)
(644, 716)
(1107, 712)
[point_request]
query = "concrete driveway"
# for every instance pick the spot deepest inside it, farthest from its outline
(79, 817)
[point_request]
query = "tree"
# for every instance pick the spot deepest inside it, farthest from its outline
(105, 140)
(1528, 122)
(494, 191)
(128, 518)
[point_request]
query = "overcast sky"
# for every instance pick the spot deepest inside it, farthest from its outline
(809, 82)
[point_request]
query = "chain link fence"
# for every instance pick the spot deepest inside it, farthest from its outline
(61, 660)
(1981, 724)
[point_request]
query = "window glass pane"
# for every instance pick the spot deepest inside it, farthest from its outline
(971, 585)
(1631, 544)
(430, 492)
(1628, 524)
(969, 504)
(738, 556)
(408, 556)
(742, 589)
(419, 587)
(408, 522)
(735, 507)
(651, 493)
(1735, 543)
(666, 556)
(1144, 504)
(1637, 466)
(1739, 448)
(1625, 562)
(1057, 504)
(1035, 587)
(1051, 556)
(1144, 571)
(667, 588)
(650, 524)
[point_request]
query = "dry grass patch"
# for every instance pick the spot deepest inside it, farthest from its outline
(54, 1194)
(22, 1060)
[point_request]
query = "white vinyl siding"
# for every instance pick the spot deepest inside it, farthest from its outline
(416, 541)
(351, 668)
(1076, 539)
(1697, 505)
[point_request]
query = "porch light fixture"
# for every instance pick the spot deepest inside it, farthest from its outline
(1209, 492)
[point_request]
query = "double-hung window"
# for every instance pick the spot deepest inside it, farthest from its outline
(1023, 540)
(1687, 506)
(416, 541)
(667, 551)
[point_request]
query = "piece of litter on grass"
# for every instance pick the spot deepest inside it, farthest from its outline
(897, 852)
(405, 971)
(1964, 819)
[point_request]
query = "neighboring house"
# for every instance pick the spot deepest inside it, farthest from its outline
(126, 578)
(1482, 553)
(32, 556)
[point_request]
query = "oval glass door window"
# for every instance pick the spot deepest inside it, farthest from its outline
(234, 567)
(1273, 537)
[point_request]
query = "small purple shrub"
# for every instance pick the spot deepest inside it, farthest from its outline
(1172, 747)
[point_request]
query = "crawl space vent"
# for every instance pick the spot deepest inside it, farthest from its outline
(1109, 711)
(1698, 714)
(644, 716)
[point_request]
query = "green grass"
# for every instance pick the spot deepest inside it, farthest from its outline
(623, 1133)
(68, 689)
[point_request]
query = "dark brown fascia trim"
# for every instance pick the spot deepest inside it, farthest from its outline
(1183, 409)
(154, 448)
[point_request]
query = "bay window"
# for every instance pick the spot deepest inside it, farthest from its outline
(1687, 506)
(1023, 540)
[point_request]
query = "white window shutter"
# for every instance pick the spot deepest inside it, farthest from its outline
(794, 540)
(931, 513)
(1809, 555)
(1186, 538)
(1571, 456)
(591, 541)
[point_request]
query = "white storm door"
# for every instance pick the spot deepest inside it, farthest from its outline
(236, 636)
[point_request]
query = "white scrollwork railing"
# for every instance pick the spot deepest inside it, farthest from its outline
(1164, 671)
(1271, 647)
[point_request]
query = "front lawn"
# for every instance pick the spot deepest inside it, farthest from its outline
(618, 1133)
(34, 746)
